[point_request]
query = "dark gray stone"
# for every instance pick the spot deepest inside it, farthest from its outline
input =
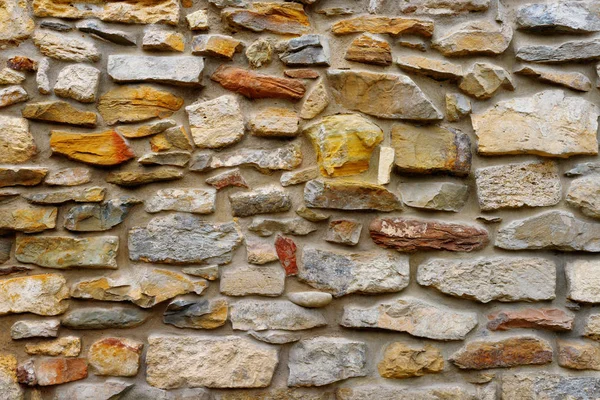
(102, 31)
(104, 318)
(99, 217)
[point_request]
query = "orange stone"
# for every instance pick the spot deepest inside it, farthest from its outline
(286, 252)
(552, 319)
(55, 371)
(379, 24)
(104, 148)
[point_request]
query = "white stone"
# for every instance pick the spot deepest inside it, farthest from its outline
(583, 280)
(197, 201)
(79, 82)
(216, 123)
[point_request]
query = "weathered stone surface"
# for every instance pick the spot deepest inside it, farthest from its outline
(572, 80)
(299, 176)
(286, 252)
(311, 215)
(381, 24)
(532, 184)
(247, 280)
(68, 177)
(79, 195)
(13, 176)
(216, 123)
(12, 95)
(547, 124)
(114, 317)
(288, 226)
(64, 252)
(540, 385)
(22, 63)
(262, 200)
(344, 231)
(106, 390)
(163, 40)
(210, 272)
(259, 53)
(369, 49)
(175, 158)
(434, 7)
(259, 252)
(65, 48)
(583, 277)
(558, 230)
(552, 319)
(412, 234)
(97, 29)
(99, 217)
(103, 148)
(137, 178)
(152, 128)
(387, 392)
(59, 112)
(258, 315)
(24, 329)
(173, 70)
(203, 314)
(41, 78)
(276, 337)
(342, 273)
(197, 201)
(583, 194)
(433, 68)
(506, 353)
(79, 82)
(278, 394)
(344, 143)
(43, 294)
(404, 361)
(170, 139)
(457, 106)
(381, 95)
(592, 327)
(198, 20)
(441, 196)
(310, 299)
(576, 51)
(255, 86)
(274, 122)
(307, 50)
(315, 102)
(53, 371)
(282, 158)
(137, 103)
(491, 278)
(6, 244)
(483, 81)
(426, 150)
(67, 346)
(195, 361)
(26, 218)
(474, 38)
(349, 195)
(220, 46)
(11, 77)
(9, 385)
(184, 239)
(115, 356)
(578, 355)
(568, 16)
(278, 18)
(16, 26)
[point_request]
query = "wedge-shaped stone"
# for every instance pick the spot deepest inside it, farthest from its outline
(91, 194)
(288, 226)
(115, 317)
(282, 158)
(381, 392)
(531, 184)
(44, 294)
(299, 176)
(548, 124)
(197, 201)
(552, 319)
(552, 230)
(203, 314)
(216, 123)
(577, 51)
(248, 280)
(369, 49)
(491, 278)
(263, 200)
(141, 131)
(184, 239)
(172, 139)
(484, 80)
(11, 77)
(307, 50)
(175, 158)
(401, 361)
(259, 315)
(474, 38)
(349, 195)
(413, 316)
(138, 178)
(382, 95)
(278, 18)
(65, 48)
(542, 385)
(102, 31)
(175, 70)
(583, 278)
(104, 148)
(231, 178)
(16, 24)
(572, 80)
(99, 217)
(342, 273)
(64, 252)
(59, 112)
(11, 176)
(441, 196)
(26, 218)
(163, 40)
(583, 194)
(216, 46)
(344, 143)
(382, 24)
(196, 361)
(16, 142)
(315, 102)
(558, 17)
(433, 68)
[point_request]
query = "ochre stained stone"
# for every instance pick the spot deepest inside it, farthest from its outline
(27, 219)
(54, 371)
(43, 294)
(381, 24)
(578, 355)
(216, 46)
(286, 252)
(115, 356)
(16, 142)
(343, 194)
(16, 24)
(11, 176)
(552, 319)
(279, 18)
(369, 50)
(59, 112)
(104, 148)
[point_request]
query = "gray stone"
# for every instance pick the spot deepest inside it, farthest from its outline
(174, 158)
(584, 194)
(307, 50)
(107, 390)
(210, 272)
(276, 337)
(589, 168)
(6, 244)
(79, 82)
(184, 239)
(413, 316)
(163, 40)
(247, 280)
(91, 194)
(492, 278)
(175, 70)
(544, 385)
(56, 26)
(216, 123)
(310, 299)
(197, 201)
(24, 329)
(440, 196)
(102, 31)
(324, 360)
(202, 314)
(115, 317)
(99, 217)
(583, 280)
(288, 226)
(201, 162)
(342, 273)
(576, 51)
(256, 315)
(144, 392)
(572, 80)
(457, 106)
(483, 81)
(349, 195)
(480, 37)
(65, 48)
(282, 158)
(558, 17)
(263, 200)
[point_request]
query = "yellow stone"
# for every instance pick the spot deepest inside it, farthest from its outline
(60, 112)
(380, 24)
(15, 23)
(171, 139)
(68, 346)
(404, 361)
(104, 148)
(114, 356)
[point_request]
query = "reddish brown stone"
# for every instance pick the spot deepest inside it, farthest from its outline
(52, 371)
(13, 269)
(552, 319)
(411, 234)
(578, 355)
(510, 352)
(255, 86)
(301, 73)
(22, 63)
(286, 251)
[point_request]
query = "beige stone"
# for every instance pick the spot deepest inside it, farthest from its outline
(16, 142)
(584, 194)
(67, 346)
(65, 48)
(483, 81)
(16, 24)
(249, 280)
(27, 218)
(12, 95)
(198, 20)
(315, 102)
(43, 294)
(578, 355)
(572, 80)
(115, 356)
(433, 68)
(404, 361)
(9, 386)
(480, 37)
(216, 123)
(274, 122)
(583, 280)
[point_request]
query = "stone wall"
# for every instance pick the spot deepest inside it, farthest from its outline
(332, 199)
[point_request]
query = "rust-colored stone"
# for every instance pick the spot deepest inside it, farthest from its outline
(380, 24)
(578, 355)
(22, 63)
(104, 148)
(552, 319)
(55, 371)
(286, 251)
(301, 73)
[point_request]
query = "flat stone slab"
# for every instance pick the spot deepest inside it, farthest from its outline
(174, 70)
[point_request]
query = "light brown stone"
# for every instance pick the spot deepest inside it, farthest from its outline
(170, 139)
(279, 18)
(275, 122)
(481, 37)
(381, 24)
(404, 361)
(483, 81)
(552, 319)
(315, 102)
(114, 356)
(27, 218)
(12, 176)
(433, 68)
(59, 112)
(12, 95)
(369, 50)
(572, 80)
(16, 142)
(65, 48)
(220, 46)
(578, 355)
(67, 346)
(16, 24)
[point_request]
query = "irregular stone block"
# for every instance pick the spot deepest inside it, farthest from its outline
(163, 40)
(231, 178)
(27, 219)
(222, 46)
(282, 158)
(259, 53)
(79, 195)
(259, 252)
(68, 177)
(274, 122)
(203, 314)
(379, 391)
(435, 8)
(578, 355)
(483, 81)
(349, 195)
(576, 51)
(263, 200)
(138, 178)
(197, 201)
(542, 385)
(115, 317)
(67, 346)
(104, 32)
(43, 294)
(571, 80)
(344, 231)
(175, 70)
(276, 314)
(583, 280)
(255, 86)
(384, 25)
(278, 18)
(559, 17)
(198, 20)
(174, 158)
(24, 329)
(247, 280)
(583, 194)
(16, 26)
(104, 148)
(65, 48)
(79, 82)
(115, 356)
(440, 196)
(552, 319)
(175, 138)
(457, 106)
(315, 102)
(59, 112)
(307, 50)
(12, 95)
(369, 49)
(430, 67)
(216, 123)
(592, 327)
(13, 176)
(152, 128)
(403, 361)
(288, 226)
(16, 142)
(53, 371)
(99, 391)
(474, 38)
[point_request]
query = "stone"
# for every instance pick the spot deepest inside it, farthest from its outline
(210, 272)
(106, 390)
(440, 196)
(22, 63)
(435, 8)
(79, 195)
(384, 25)
(558, 230)
(559, 17)
(219, 46)
(324, 360)
(480, 37)
(173, 70)
(27, 218)
(264, 226)
(248, 280)
(175, 138)
(259, 53)
(65, 48)
(15, 176)
(286, 252)
(575, 51)
(67, 346)
(79, 82)
(505, 279)
(231, 178)
(305, 51)
(174, 158)
(163, 40)
(12, 269)
(548, 124)
(315, 102)
(99, 217)
(259, 252)
(430, 67)
(68, 177)
(216, 123)
(17, 145)
(282, 158)
(59, 112)
(310, 299)
(540, 385)
(414, 234)
(277, 394)
(278, 18)
(276, 337)
(505, 353)
(195, 361)
(299, 176)
(103, 148)
(531, 184)
(9, 385)
(200, 162)
(203, 314)
(198, 20)
(150, 129)
(274, 122)
(342, 273)
(311, 215)
(457, 107)
(381, 95)
(582, 280)
(335, 11)
(41, 78)
(343, 143)
(137, 103)
(263, 200)
(572, 80)
(256, 86)
(552, 319)
(197, 201)
(592, 327)
(12, 95)
(388, 392)
(55, 371)
(582, 194)
(11, 77)
(115, 317)
(25, 329)
(345, 194)
(97, 29)
(42, 294)
(144, 177)
(302, 73)
(16, 26)
(114, 356)
(260, 315)
(368, 49)
(344, 231)
(404, 361)
(484, 80)
(184, 239)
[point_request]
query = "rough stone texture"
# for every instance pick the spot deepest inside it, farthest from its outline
(16, 26)
(12, 95)
(575, 51)
(381, 24)
(571, 17)
(310, 299)
(480, 37)
(344, 231)
(163, 40)
(592, 327)
(388, 392)
(483, 81)
(277, 314)
(89, 391)
(578, 355)
(583, 278)
(79, 82)
(552, 319)
(583, 194)
(436, 69)
(282, 158)
(543, 385)
(203, 314)
(105, 148)
(403, 361)
(441, 196)
(114, 317)
(256, 86)
(16, 176)
(368, 49)
(197, 201)
(138, 178)
(231, 178)
(68, 177)
(115, 356)
(349, 195)
(274, 123)
(27, 219)
(263, 200)
(104, 32)
(26, 329)
(59, 112)
(17, 145)
(288, 226)
(78, 195)
(216, 123)
(247, 280)
(68, 346)
(44, 294)
(216, 46)
(315, 102)
(278, 18)
(65, 48)
(8, 378)
(571, 80)
(175, 70)
(457, 106)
